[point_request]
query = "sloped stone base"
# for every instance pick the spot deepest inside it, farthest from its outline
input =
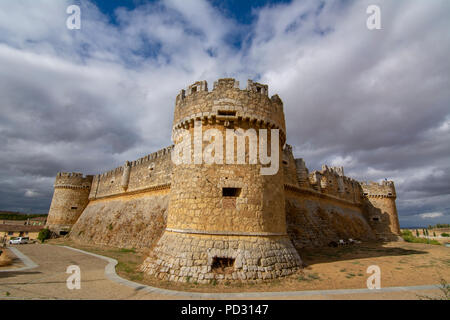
(189, 257)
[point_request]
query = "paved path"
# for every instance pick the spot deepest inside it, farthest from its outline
(44, 277)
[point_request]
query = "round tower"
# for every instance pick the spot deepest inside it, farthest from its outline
(226, 217)
(70, 197)
(381, 208)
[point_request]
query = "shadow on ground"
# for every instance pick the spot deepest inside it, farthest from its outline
(10, 274)
(311, 256)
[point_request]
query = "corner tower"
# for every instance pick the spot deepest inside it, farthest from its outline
(70, 197)
(226, 221)
(381, 209)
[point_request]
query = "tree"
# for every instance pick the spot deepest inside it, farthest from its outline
(43, 235)
(417, 233)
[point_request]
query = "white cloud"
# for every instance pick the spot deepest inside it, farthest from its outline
(432, 215)
(31, 193)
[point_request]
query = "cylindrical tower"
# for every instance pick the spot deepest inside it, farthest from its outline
(383, 216)
(70, 197)
(226, 219)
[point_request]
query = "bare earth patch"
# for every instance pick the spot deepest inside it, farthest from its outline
(6, 259)
(401, 263)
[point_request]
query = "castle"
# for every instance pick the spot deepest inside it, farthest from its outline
(222, 221)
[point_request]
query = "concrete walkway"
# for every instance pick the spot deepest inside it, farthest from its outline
(44, 277)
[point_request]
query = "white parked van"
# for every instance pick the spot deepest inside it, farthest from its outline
(19, 240)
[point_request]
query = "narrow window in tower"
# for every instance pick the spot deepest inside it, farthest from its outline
(194, 89)
(231, 192)
(376, 219)
(226, 113)
(74, 208)
(258, 89)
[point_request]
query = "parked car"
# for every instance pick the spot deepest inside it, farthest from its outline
(19, 240)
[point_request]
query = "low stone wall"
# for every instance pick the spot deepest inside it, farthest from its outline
(134, 221)
(315, 222)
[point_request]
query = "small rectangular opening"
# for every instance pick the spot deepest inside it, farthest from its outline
(222, 265)
(226, 113)
(376, 219)
(231, 192)
(258, 89)
(74, 208)
(193, 89)
(63, 233)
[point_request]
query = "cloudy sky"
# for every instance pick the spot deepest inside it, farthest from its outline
(375, 101)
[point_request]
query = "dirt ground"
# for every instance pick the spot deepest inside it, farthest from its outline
(401, 264)
(6, 259)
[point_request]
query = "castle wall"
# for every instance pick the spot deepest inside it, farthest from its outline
(132, 221)
(128, 205)
(150, 171)
(325, 205)
(315, 220)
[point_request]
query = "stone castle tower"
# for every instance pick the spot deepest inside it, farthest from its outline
(70, 197)
(382, 210)
(215, 215)
(225, 215)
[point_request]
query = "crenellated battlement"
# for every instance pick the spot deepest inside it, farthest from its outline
(382, 189)
(157, 155)
(227, 105)
(73, 180)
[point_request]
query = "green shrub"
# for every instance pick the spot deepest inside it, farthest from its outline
(43, 235)
(445, 234)
(408, 237)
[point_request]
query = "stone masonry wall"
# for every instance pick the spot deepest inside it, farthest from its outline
(70, 197)
(381, 210)
(150, 171)
(180, 257)
(246, 228)
(314, 220)
(134, 221)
